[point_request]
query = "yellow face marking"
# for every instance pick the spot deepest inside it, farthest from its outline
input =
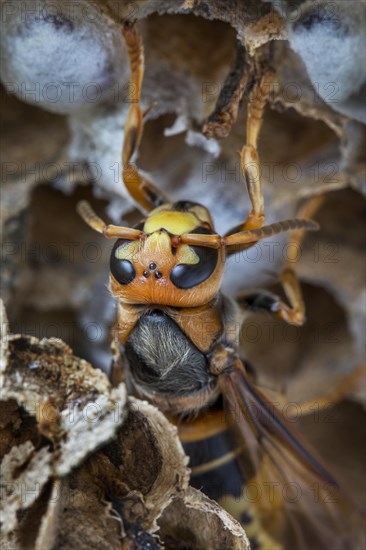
(157, 247)
(186, 255)
(127, 251)
(176, 223)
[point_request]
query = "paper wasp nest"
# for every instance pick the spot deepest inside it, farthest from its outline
(65, 96)
(83, 466)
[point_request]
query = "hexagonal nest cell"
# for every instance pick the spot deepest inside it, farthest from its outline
(123, 479)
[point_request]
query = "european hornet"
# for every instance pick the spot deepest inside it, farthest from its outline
(165, 275)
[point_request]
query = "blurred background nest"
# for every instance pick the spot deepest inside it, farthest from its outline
(64, 98)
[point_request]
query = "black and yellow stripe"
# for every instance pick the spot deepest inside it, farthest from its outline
(216, 470)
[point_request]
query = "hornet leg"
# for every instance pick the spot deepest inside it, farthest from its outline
(146, 195)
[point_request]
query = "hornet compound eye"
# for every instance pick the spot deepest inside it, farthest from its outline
(120, 263)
